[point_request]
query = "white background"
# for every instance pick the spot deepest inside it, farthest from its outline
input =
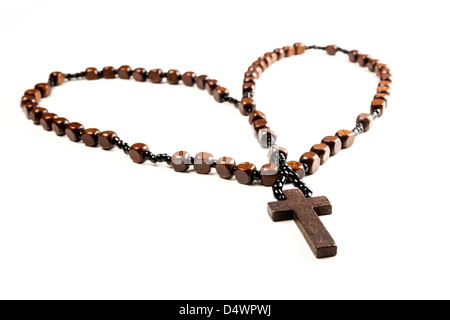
(82, 223)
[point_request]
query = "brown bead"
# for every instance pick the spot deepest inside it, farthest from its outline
(259, 124)
(384, 83)
(137, 151)
(363, 59)
(202, 162)
(180, 161)
(44, 88)
(246, 105)
(248, 88)
(59, 126)
(386, 77)
(224, 167)
(210, 85)
(274, 153)
(378, 67)
(366, 120)
(280, 53)
(331, 49)
(188, 78)
(109, 72)
(140, 74)
(323, 151)
(384, 89)
(28, 107)
(297, 167)
(311, 160)
(383, 96)
(299, 48)
(266, 137)
(220, 93)
(105, 139)
(270, 58)
(74, 131)
(244, 172)
(269, 174)
(249, 80)
(90, 137)
(260, 63)
(256, 115)
(91, 74)
(57, 78)
(378, 104)
(383, 70)
(257, 69)
(47, 120)
(155, 75)
(289, 50)
(27, 99)
(353, 55)
(251, 74)
(347, 138)
(173, 76)
(124, 72)
(37, 113)
(33, 93)
(200, 81)
(371, 64)
(334, 143)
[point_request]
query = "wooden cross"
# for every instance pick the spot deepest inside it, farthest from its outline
(305, 212)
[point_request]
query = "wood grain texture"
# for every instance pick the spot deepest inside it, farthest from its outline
(305, 212)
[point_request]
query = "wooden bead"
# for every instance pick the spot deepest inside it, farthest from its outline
(124, 72)
(249, 80)
(105, 139)
(59, 126)
(140, 74)
(180, 161)
(323, 151)
(311, 160)
(188, 78)
(280, 53)
(270, 58)
(256, 69)
(386, 77)
(371, 64)
(384, 89)
(299, 48)
(378, 67)
(366, 120)
(331, 49)
(289, 50)
(383, 96)
(44, 88)
(220, 93)
(363, 59)
(248, 88)
(246, 105)
(347, 138)
(37, 113)
(384, 83)
(251, 74)
(266, 137)
(137, 151)
(244, 172)
(256, 115)
(297, 167)
(224, 167)
(57, 78)
(210, 85)
(91, 74)
(259, 124)
(28, 107)
(353, 55)
(200, 81)
(155, 75)
(90, 137)
(383, 70)
(27, 99)
(260, 63)
(173, 76)
(47, 121)
(74, 131)
(269, 174)
(33, 93)
(202, 162)
(109, 72)
(334, 143)
(274, 153)
(378, 104)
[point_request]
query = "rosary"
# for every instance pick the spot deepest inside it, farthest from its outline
(297, 203)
